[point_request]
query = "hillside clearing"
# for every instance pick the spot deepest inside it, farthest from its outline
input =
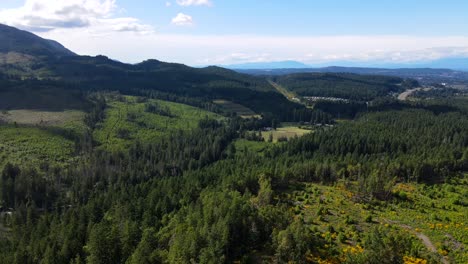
(127, 120)
(285, 132)
(238, 109)
(42, 118)
(33, 146)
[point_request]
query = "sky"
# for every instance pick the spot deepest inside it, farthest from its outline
(223, 32)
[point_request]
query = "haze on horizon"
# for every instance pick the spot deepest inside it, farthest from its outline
(206, 32)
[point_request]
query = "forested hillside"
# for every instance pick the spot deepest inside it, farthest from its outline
(194, 196)
(23, 42)
(343, 85)
(106, 162)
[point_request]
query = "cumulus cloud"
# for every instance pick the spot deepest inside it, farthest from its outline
(182, 20)
(48, 15)
(194, 2)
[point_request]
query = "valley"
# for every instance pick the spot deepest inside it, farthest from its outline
(154, 162)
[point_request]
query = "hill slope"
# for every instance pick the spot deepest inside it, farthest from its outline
(26, 56)
(423, 75)
(19, 41)
(341, 85)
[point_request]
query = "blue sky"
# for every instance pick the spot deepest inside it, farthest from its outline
(309, 17)
(201, 32)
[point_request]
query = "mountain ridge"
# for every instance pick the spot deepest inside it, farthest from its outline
(15, 40)
(53, 70)
(267, 65)
(452, 63)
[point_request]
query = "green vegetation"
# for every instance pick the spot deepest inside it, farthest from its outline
(337, 215)
(351, 193)
(438, 93)
(71, 119)
(237, 109)
(15, 40)
(242, 147)
(39, 138)
(34, 145)
(341, 85)
(129, 119)
(287, 93)
(39, 95)
(152, 173)
(284, 133)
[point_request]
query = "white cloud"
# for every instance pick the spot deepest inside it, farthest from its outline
(182, 20)
(193, 2)
(234, 49)
(98, 27)
(48, 15)
(168, 4)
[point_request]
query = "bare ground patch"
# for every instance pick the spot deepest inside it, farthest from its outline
(45, 118)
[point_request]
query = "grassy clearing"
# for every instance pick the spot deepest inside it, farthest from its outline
(285, 132)
(438, 213)
(126, 121)
(34, 146)
(71, 119)
(240, 110)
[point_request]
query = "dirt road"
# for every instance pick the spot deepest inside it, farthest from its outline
(425, 239)
(404, 95)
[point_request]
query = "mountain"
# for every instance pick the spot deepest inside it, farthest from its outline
(269, 65)
(51, 68)
(448, 63)
(455, 63)
(13, 40)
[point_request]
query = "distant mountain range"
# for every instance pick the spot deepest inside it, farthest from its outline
(269, 65)
(423, 75)
(51, 69)
(445, 63)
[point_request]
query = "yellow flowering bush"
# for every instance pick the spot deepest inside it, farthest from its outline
(413, 260)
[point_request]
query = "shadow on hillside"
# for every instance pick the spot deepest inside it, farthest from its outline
(42, 98)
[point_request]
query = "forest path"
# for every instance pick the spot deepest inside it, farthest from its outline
(425, 239)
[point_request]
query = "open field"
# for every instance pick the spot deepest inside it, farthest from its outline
(285, 132)
(33, 146)
(72, 119)
(127, 121)
(33, 137)
(240, 110)
(435, 216)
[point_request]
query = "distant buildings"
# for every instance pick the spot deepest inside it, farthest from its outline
(319, 98)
